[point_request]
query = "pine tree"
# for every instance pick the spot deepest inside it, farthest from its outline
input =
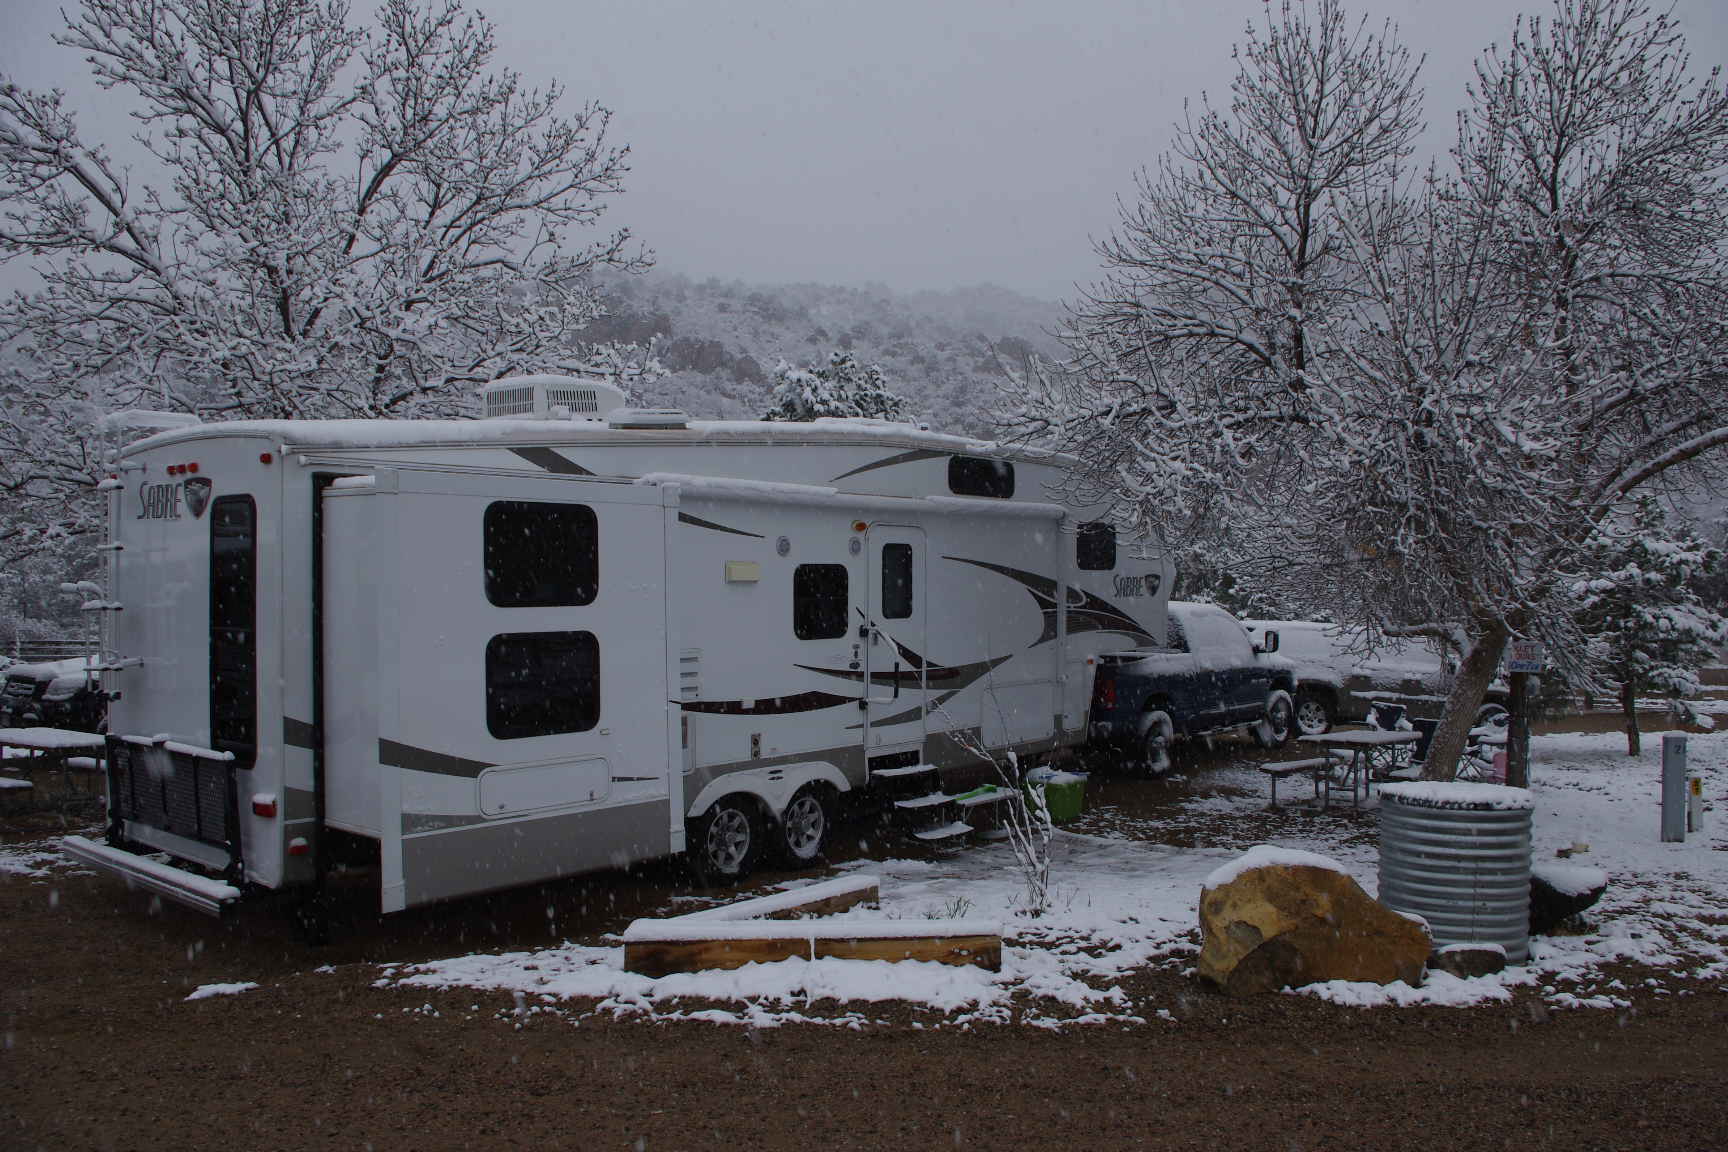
(1648, 630)
(842, 389)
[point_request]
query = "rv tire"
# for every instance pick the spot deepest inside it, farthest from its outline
(727, 840)
(805, 826)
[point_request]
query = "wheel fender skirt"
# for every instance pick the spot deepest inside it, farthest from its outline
(773, 786)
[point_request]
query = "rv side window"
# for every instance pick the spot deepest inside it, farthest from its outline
(896, 581)
(541, 555)
(542, 683)
(233, 627)
(820, 599)
(976, 476)
(1095, 547)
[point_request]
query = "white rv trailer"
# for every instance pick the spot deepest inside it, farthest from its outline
(538, 644)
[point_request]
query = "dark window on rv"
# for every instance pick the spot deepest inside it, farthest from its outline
(976, 476)
(1095, 547)
(541, 683)
(820, 600)
(896, 581)
(541, 555)
(233, 627)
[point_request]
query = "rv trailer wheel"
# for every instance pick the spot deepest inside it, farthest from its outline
(726, 841)
(804, 827)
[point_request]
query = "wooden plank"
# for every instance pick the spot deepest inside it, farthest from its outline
(815, 899)
(981, 951)
(664, 957)
(662, 947)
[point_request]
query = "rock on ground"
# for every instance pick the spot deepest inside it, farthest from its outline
(1283, 925)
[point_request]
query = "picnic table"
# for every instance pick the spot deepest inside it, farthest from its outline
(1363, 755)
(50, 750)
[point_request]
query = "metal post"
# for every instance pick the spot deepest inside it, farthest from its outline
(1673, 789)
(1695, 806)
(1518, 731)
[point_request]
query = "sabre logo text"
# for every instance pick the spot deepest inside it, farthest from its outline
(1137, 586)
(164, 501)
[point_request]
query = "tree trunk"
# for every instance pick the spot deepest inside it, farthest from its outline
(1468, 689)
(1629, 709)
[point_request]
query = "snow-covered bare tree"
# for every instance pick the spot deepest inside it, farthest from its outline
(1647, 628)
(327, 220)
(1509, 355)
(1210, 321)
(842, 388)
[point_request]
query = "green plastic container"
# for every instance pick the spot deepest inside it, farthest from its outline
(1064, 794)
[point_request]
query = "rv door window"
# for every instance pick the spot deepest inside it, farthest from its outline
(542, 683)
(976, 476)
(1095, 547)
(233, 627)
(820, 601)
(541, 555)
(896, 581)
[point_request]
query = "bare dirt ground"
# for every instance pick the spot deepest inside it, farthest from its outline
(102, 1050)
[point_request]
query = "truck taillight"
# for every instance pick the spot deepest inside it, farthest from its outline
(1104, 692)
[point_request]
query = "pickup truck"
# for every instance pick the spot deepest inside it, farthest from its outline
(1209, 678)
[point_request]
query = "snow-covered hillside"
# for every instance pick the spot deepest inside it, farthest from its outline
(722, 340)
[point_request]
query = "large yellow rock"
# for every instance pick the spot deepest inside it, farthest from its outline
(1277, 919)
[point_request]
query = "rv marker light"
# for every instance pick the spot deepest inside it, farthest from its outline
(192, 467)
(265, 457)
(297, 846)
(264, 804)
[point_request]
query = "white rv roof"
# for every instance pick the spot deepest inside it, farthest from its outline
(298, 434)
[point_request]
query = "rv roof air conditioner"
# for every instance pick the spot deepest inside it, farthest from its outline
(550, 398)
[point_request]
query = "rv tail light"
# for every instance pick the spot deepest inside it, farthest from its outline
(298, 846)
(264, 805)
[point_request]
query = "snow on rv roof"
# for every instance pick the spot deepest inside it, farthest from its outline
(294, 434)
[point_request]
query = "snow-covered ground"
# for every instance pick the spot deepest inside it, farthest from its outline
(1121, 904)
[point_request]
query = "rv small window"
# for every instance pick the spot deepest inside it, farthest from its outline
(542, 683)
(233, 627)
(820, 601)
(1095, 547)
(975, 476)
(896, 581)
(541, 555)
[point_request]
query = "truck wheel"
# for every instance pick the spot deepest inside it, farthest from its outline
(1313, 714)
(726, 842)
(805, 825)
(1273, 731)
(1152, 756)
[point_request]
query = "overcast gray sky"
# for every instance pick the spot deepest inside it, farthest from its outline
(916, 143)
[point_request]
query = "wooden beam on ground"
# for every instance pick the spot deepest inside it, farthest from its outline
(820, 899)
(662, 947)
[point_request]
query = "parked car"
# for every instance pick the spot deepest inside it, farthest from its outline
(1210, 678)
(53, 694)
(1339, 674)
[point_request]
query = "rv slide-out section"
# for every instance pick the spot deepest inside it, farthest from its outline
(495, 667)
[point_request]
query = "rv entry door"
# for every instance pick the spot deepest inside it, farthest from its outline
(896, 644)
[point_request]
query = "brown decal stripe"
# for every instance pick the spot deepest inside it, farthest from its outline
(769, 705)
(298, 733)
(424, 760)
(890, 461)
(686, 518)
(1091, 614)
(551, 461)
